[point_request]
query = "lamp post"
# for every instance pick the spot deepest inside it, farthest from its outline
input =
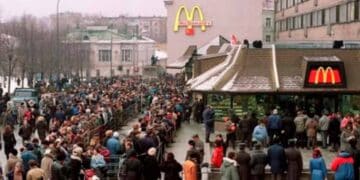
(57, 39)
(10, 56)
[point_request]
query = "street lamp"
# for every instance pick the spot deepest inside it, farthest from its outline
(57, 38)
(10, 56)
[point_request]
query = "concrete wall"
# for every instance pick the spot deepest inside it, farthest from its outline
(232, 17)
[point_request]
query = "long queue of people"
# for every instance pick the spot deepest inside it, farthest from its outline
(284, 136)
(70, 135)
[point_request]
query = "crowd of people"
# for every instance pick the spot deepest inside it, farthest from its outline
(283, 136)
(74, 135)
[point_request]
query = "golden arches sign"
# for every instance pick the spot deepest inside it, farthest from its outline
(324, 75)
(190, 22)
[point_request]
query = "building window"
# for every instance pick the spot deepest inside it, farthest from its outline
(342, 13)
(97, 72)
(104, 55)
(333, 15)
(320, 17)
(283, 4)
(307, 20)
(268, 38)
(353, 14)
(126, 55)
(314, 19)
(268, 22)
(327, 16)
(289, 3)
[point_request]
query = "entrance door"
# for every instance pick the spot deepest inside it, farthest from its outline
(319, 103)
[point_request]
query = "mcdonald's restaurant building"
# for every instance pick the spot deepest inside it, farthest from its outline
(288, 78)
(195, 23)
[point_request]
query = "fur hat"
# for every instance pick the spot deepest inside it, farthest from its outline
(152, 151)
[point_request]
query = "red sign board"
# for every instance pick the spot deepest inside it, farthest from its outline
(320, 74)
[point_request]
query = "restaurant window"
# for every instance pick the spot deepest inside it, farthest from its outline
(342, 13)
(221, 104)
(126, 55)
(333, 15)
(104, 55)
(268, 22)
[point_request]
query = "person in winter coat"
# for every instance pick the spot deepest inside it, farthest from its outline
(343, 165)
(300, 134)
(317, 166)
(113, 144)
(258, 162)
(311, 128)
(41, 127)
(171, 168)
(294, 161)
(334, 133)
(17, 173)
(193, 150)
(209, 120)
(277, 159)
(324, 127)
(260, 133)
(274, 124)
(9, 140)
(35, 173)
(288, 129)
(133, 167)
(199, 146)
(28, 155)
(190, 168)
(46, 163)
(58, 170)
(346, 136)
(75, 164)
(151, 167)
(355, 154)
(243, 161)
(11, 162)
(25, 131)
(229, 167)
(98, 163)
(217, 155)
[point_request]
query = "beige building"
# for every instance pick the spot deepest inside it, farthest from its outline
(317, 20)
(110, 51)
(196, 23)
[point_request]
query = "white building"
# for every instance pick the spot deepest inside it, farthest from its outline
(110, 51)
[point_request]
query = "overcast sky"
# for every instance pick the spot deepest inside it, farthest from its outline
(40, 8)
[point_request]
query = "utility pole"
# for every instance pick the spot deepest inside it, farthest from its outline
(111, 55)
(10, 73)
(57, 40)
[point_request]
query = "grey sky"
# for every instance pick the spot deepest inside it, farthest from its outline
(10, 8)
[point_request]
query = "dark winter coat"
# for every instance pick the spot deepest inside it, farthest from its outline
(277, 159)
(258, 162)
(171, 170)
(58, 171)
(9, 141)
(294, 163)
(209, 118)
(243, 160)
(42, 128)
(151, 168)
(25, 132)
(133, 169)
(75, 167)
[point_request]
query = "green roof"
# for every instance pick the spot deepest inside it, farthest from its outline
(99, 34)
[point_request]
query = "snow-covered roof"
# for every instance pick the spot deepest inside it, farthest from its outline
(161, 54)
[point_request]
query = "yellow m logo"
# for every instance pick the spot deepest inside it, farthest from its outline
(190, 18)
(325, 74)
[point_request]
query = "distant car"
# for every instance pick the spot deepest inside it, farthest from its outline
(25, 94)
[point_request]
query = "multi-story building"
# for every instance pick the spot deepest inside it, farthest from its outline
(268, 21)
(196, 23)
(111, 52)
(317, 20)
